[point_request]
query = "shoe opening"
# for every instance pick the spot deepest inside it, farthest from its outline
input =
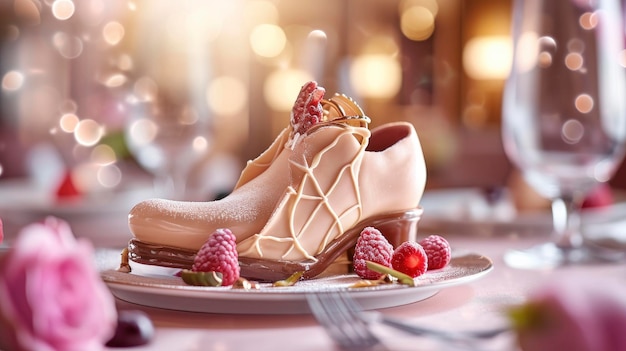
(383, 138)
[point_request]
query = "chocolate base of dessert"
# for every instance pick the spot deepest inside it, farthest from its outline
(397, 227)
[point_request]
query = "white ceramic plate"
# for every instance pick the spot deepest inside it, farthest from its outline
(170, 292)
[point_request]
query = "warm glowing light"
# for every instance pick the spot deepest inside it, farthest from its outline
(143, 132)
(88, 132)
(268, 40)
(572, 131)
(92, 177)
(113, 33)
(380, 44)
(376, 76)
(109, 176)
(486, 58)
(188, 116)
(282, 86)
(103, 155)
(68, 122)
(68, 46)
(588, 20)
(63, 9)
(544, 59)
(12, 80)
(199, 144)
(417, 23)
(431, 5)
(226, 95)
(574, 61)
(584, 103)
(115, 80)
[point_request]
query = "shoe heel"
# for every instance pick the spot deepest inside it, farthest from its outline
(399, 227)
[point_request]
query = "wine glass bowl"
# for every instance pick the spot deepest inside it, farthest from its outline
(564, 113)
(167, 138)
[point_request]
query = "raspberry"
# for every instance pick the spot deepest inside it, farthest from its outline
(307, 111)
(410, 259)
(371, 246)
(219, 254)
(438, 251)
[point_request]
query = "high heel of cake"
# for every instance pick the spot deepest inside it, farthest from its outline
(397, 227)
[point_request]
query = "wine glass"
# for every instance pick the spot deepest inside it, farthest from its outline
(564, 115)
(167, 136)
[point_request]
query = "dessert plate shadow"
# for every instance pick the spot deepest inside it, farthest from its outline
(170, 292)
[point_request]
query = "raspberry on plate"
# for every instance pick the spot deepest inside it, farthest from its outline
(219, 254)
(438, 251)
(409, 258)
(371, 246)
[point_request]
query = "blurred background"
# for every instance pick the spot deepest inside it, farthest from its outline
(86, 86)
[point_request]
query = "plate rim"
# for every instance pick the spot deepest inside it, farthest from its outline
(292, 295)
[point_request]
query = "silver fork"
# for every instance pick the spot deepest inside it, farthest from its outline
(345, 320)
(338, 318)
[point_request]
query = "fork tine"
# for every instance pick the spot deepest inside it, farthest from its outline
(335, 314)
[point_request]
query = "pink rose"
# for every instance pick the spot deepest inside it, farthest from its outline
(575, 315)
(51, 296)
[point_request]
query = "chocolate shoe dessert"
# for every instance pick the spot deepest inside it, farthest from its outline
(304, 201)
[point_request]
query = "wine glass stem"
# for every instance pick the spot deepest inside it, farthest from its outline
(171, 185)
(566, 218)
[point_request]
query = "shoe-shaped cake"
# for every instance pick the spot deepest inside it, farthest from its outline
(168, 233)
(343, 179)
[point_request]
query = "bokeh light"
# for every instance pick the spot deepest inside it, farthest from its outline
(143, 131)
(12, 80)
(572, 131)
(376, 76)
(88, 132)
(109, 176)
(63, 9)
(489, 57)
(584, 103)
(103, 155)
(588, 20)
(115, 80)
(68, 46)
(417, 23)
(282, 86)
(574, 61)
(113, 32)
(267, 40)
(68, 122)
(200, 144)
